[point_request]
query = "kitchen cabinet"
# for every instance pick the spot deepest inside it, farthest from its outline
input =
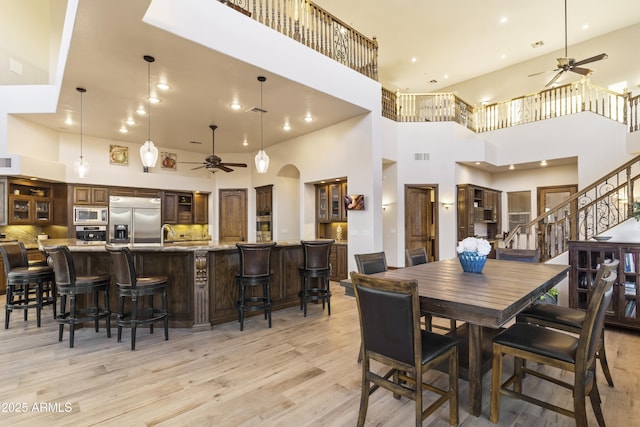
(264, 196)
(178, 208)
(322, 203)
(200, 208)
(95, 196)
(584, 257)
(170, 208)
(478, 210)
(29, 204)
(336, 211)
(339, 262)
(331, 214)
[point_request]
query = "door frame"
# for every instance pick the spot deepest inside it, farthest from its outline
(433, 206)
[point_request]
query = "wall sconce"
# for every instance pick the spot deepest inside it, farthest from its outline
(384, 207)
(447, 205)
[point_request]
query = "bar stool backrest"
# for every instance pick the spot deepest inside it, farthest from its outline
(255, 259)
(62, 263)
(123, 266)
(316, 254)
(14, 255)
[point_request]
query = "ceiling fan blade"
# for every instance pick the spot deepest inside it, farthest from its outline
(541, 72)
(554, 79)
(581, 71)
(193, 163)
(199, 167)
(224, 168)
(235, 165)
(592, 59)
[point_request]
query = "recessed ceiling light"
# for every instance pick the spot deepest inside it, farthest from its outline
(154, 100)
(503, 56)
(130, 121)
(308, 118)
(163, 86)
(141, 111)
(585, 26)
(123, 129)
(245, 143)
(503, 20)
(414, 59)
(477, 163)
(235, 106)
(68, 121)
(511, 167)
(543, 163)
(446, 76)
(286, 127)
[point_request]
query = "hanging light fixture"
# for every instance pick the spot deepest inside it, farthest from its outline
(148, 151)
(80, 166)
(262, 159)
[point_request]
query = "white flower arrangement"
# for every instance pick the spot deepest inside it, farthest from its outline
(475, 245)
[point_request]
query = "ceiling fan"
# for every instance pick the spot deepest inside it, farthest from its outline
(570, 64)
(213, 162)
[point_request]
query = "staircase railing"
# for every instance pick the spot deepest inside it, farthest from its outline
(598, 207)
(316, 28)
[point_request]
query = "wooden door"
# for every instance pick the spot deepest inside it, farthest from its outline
(421, 219)
(233, 215)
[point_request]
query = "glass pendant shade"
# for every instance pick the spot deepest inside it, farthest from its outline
(262, 161)
(81, 167)
(148, 154)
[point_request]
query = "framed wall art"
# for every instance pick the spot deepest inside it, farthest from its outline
(168, 160)
(118, 155)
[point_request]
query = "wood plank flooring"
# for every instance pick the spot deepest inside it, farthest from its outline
(302, 372)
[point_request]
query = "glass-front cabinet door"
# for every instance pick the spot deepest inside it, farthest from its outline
(19, 210)
(322, 203)
(42, 212)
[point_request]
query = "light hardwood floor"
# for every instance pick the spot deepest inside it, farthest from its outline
(302, 372)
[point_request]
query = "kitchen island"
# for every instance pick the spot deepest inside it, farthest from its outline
(202, 286)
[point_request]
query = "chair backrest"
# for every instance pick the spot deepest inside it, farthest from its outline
(255, 259)
(14, 255)
(389, 312)
(415, 256)
(316, 254)
(375, 262)
(123, 266)
(63, 267)
(600, 298)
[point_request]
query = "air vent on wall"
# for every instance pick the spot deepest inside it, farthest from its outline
(5, 162)
(420, 156)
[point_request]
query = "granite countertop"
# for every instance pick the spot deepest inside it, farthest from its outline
(181, 246)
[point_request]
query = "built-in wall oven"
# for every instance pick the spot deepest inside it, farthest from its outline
(91, 233)
(90, 215)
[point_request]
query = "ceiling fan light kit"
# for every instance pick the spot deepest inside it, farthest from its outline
(262, 159)
(148, 151)
(213, 162)
(80, 166)
(570, 64)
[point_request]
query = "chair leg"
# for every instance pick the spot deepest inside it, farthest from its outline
(594, 396)
(7, 310)
(453, 385)
(304, 294)
(166, 314)
(268, 300)
(579, 404)
(364, 396)
(63, 307)
(418, 397)
(496, 382)
(72, 319)
(38, 304)
(328, 294)
(151, 310)
(120, 317)
(602, 355)
(108, 310)
(134, 318)
(96, 304)
(241, 306)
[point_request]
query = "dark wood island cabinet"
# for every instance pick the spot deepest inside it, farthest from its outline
(202, 286)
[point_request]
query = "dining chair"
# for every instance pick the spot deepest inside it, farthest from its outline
(255, 271)
(316, 265)
(135, 288)
(417, 256)
(389, 313)
(69, 285)
(371, 263)
(28, 286)
(567, 319)
(546, 346)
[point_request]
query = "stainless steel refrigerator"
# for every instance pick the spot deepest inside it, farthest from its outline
(134, 219)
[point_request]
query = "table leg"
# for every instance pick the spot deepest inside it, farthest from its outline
(475, 369)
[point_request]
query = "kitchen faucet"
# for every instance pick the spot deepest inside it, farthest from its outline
(170, 234)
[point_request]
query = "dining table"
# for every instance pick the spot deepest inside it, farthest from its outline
(484, 301)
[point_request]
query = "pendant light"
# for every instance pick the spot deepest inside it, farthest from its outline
(148, 151)
(262, 160)
(80, 166)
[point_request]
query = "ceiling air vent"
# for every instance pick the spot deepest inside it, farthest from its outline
(420, 156)
(257, 110)
(5, 162)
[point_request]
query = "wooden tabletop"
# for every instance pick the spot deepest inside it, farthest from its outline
(490, 298)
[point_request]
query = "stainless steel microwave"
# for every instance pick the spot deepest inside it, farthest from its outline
(90, 215)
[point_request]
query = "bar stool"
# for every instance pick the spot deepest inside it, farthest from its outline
(69, 285)
(134, 287)
(28, 286)
(255, 270)
(316, 266)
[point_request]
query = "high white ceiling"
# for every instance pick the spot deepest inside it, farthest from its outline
(462, 39)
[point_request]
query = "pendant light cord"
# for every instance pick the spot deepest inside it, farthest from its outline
(261, 114)
(149, 97)
(81, 121)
